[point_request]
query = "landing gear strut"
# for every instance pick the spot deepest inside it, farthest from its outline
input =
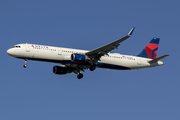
(80, 75)
(25, 65)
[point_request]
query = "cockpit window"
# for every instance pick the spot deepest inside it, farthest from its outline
(16, 46)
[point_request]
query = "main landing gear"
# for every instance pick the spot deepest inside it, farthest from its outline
(92, 68)
(25, 65)
(80, 75)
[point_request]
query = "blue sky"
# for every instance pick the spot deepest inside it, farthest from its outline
(35, 93)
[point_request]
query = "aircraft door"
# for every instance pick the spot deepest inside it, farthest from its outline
(28, 51)
(139, 61)
(27, 48)
(59, 51)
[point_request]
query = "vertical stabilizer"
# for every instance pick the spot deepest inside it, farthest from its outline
(150, 51)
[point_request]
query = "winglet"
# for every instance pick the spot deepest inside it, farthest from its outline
(131, 31)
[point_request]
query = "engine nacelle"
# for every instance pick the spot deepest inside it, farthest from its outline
(59, 70)
(78, 58)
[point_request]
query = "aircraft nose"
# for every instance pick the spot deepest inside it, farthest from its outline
(9, 51)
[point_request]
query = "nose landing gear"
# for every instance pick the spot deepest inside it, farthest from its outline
(25, 65)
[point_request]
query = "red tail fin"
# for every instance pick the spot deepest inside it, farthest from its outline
(150, 51)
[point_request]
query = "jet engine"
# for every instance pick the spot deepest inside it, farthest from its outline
(79, 58)
(59, 70)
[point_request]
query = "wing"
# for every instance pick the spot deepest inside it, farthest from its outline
(75, 68)
(96, 54)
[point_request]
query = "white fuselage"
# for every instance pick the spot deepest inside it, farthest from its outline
(63, 56)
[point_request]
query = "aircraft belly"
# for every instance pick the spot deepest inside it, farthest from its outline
(113, 63)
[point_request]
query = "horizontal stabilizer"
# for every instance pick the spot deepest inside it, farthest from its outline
(158, 59)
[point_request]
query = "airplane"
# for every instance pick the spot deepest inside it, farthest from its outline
(76, 60)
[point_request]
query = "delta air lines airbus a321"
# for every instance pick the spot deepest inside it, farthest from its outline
(76, 61)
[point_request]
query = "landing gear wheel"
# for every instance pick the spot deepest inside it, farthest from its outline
(25, 66)
(92, 68)
(80, 75)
